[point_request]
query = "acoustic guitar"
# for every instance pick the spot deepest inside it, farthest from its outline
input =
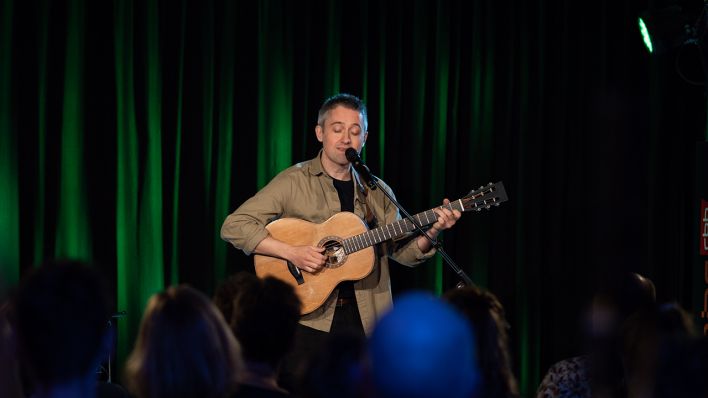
(349, 245)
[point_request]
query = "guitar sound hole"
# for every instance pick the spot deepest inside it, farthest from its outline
(334, 252)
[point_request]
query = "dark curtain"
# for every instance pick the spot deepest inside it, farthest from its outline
(130, 129)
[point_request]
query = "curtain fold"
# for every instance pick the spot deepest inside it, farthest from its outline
(9, 162)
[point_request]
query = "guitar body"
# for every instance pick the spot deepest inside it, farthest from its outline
(349, 245)
(316, 288)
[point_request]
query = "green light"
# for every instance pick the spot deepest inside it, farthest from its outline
(40, 209)
(174, 258)
(73, 238)
(275, 94)
(225, 138)
(645, 35)
(127, 258)
(9, 183)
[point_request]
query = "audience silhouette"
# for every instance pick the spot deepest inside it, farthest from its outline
(263, 315)
(485, 312)
(184, 349)
(422, 348)
(61, 314)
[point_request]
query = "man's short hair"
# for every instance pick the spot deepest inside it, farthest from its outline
(61, 312)
(348, 101)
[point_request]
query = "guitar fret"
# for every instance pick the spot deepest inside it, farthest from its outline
(398, 228)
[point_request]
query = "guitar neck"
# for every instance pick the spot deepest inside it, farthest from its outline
(395, 229)
(483, 198)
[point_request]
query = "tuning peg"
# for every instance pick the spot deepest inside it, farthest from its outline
(481, 187)
(488, 207)
(497, 204)
(478, 209)
(490, 184)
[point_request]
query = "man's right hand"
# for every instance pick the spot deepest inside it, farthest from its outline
(307, 258)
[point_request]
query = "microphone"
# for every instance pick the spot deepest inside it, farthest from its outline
(360, 167)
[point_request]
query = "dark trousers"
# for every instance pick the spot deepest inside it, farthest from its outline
(312, 348)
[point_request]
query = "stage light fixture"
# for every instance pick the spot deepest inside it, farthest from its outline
(667, 28)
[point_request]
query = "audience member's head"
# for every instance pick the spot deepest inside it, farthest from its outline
(263, 315)
(650, 340)
(620, 296)
(423, 348)
(486, 314)
(682, 369)
(10, 384)
(184, 349)
(623, 294)
(61, 313)
(336, 370)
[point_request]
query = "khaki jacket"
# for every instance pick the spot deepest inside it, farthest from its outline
(306, 192)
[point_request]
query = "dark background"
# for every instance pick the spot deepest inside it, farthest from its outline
(131, 129)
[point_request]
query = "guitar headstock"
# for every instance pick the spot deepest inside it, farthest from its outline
(485, 197)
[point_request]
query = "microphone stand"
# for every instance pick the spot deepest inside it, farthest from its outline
(373, 183)
(116, 316)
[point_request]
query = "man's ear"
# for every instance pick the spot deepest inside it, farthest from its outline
(319, 133)
(363, 142)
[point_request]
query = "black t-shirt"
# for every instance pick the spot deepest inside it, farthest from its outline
(345, 190)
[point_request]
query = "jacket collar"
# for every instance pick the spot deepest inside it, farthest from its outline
(315, 168)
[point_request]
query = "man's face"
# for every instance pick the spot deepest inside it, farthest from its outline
(343, 128)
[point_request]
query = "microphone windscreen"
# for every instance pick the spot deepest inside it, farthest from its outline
(351, 155)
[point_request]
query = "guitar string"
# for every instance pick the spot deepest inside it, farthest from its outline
(407, 222)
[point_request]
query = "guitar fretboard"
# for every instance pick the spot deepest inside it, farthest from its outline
(394, 229)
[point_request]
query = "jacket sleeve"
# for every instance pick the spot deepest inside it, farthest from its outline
(245, 227)
(403, 250)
